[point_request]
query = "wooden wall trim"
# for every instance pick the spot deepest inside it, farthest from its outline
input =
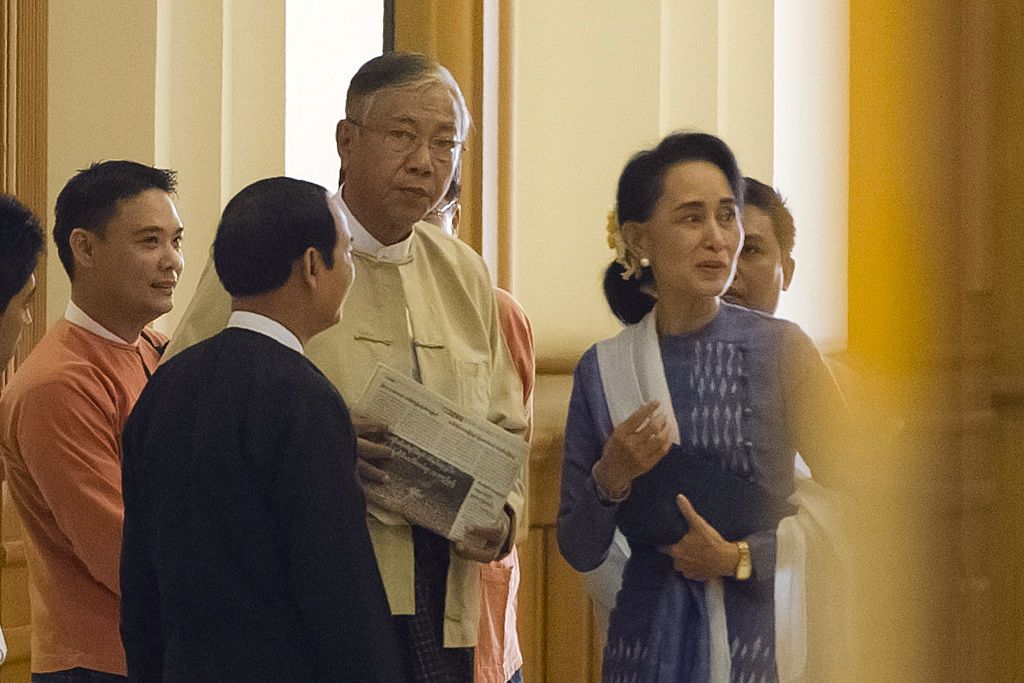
(451, 31)
(23, 166)
(23, 113)
(506, 218)
(971, 385)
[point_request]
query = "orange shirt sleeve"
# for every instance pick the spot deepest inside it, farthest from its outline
(518, 333)
(70, 443)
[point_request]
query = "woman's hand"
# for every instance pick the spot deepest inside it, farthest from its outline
(636, 445)
(701, 553)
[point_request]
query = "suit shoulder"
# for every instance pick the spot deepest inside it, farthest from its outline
(252, 364)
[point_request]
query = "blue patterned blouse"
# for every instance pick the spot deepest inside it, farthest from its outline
(748, 391)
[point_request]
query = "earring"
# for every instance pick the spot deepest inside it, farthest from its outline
(644, 261)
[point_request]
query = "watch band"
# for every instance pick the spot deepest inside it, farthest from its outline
(743, 567)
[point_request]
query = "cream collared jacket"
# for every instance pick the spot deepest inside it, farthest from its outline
(460, 353)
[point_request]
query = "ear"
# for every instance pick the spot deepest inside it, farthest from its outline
(788, 266)
(343, 136)
(310, 267)
(83, 244)
(456, 216)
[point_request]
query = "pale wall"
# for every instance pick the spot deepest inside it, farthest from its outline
(193, 86)
(340, 36)
(200, 87)
(812, 130)
(220, 113)
(594, 82)
(102, 71)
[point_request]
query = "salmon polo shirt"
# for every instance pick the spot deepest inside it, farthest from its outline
(61, 418)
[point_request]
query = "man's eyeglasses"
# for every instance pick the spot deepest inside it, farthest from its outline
(402, 142)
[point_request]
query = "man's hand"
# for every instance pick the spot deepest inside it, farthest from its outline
(371, 454)
(636, 445)
(701, 553)
(483, 544)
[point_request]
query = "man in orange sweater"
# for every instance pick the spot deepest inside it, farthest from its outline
(498, 657)
(118, 236)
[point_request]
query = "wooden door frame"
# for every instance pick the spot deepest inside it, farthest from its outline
(23, 152)
(23, 168)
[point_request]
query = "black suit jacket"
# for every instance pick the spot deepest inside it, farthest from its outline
(246, 554)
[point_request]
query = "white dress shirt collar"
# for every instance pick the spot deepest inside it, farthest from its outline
(254, 322)
(76, 316)
(365, 243)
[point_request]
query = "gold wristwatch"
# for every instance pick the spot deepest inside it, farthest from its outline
(743, 567)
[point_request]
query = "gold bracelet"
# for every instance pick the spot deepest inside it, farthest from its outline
(743, 567)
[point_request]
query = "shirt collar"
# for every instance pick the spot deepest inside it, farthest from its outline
(254, 322)
(365, 243)
(75, 315)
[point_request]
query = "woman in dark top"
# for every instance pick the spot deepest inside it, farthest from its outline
(700, 397)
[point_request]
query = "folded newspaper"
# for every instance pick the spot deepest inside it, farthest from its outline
(449, 472)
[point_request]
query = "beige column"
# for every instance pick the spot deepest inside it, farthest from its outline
(102, 80)
(594, 82)
(219, 113)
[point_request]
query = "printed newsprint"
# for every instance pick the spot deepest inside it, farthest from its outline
(449, 472)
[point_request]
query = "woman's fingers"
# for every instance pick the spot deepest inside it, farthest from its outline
(641, 441)
(693, 518)
(697, 523)
(637, 419)
(653, 425)
(685, 561)
(686, 507)
(652, 445)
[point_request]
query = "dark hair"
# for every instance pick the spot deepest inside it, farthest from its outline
(265, 228)
(21, 240)
(389, 70)
(640, 188)
(89, 200)
(397, 69)
(627, 298)
(769, 200)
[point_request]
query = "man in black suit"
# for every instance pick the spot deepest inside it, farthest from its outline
(246, 553)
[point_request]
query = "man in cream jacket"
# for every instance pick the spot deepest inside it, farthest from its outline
(421, 304)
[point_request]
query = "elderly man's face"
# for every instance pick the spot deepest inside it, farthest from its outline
(388, 187)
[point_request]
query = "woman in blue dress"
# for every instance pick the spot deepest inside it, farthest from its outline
(699, 396)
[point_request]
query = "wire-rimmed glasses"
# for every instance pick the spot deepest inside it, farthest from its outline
(402, 141)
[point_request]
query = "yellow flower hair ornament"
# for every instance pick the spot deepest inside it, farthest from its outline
(623, 256)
